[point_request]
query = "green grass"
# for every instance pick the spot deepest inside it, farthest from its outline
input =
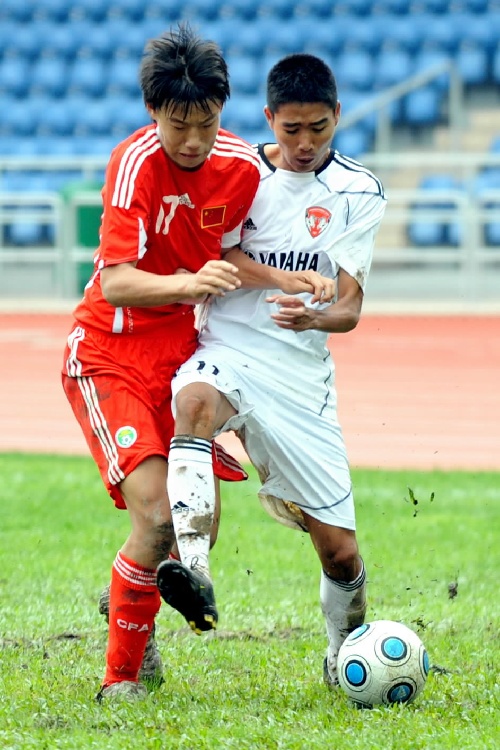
(257, 683)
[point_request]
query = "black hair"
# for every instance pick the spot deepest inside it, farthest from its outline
(301, 78)
(180, 69)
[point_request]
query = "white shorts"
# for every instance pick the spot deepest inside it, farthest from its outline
(290, 433)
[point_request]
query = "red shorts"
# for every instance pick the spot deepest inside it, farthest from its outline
(119, 388)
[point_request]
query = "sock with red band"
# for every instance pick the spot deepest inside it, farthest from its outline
(133, 604)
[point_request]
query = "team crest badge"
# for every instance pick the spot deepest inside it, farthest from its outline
(125, 436)
(317, 220)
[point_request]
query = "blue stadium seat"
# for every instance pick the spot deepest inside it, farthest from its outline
(353, 141)
(352, 7)
(12, 145)
(429, 56)
(164, 11)
(244, 9)
(87, 76)
(495, 66)
(279, 8)
(244, 114)
(25, 41)
(422, 107)
(319, 9)
(18, 11)
(90, 10)
(472, 63)
(354, 68)
(96, 118)
(245, 75)
(58, 117)
(123, 76)
(49, 75)
(14, 77)
(393, 65)
(397, 7)
(17, 117)
(131, 9)
(251, 38)
(486, 180)
(429, 233)
(128, 114)
(53, 10)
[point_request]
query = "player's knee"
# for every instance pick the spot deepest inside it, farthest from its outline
(342, 561)
(196, 410)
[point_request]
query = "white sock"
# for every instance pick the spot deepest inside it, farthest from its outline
(191, 491)
(344, 607)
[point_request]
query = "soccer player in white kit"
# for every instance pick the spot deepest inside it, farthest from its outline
(262, 366)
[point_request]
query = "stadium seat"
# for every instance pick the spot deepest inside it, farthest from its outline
(18, 11)
(58, 117)
(24, 42)
(49, 75)
(353, 141)
(489, 180)
(430, 233)
(14, 77)
(393, 65)
(422, 107)
(87, 76)
(123, 76)
(97, 118)
(428, 57)
(89, 10)
(319, 9)
(283, 9)
(245, 74)
(244, 114)
(251, 38)
(352, 7)
(133, 10)
(244, 9)
(127, 114)
(17, 117)
(355, 69)
(472, 63)
(52, 10)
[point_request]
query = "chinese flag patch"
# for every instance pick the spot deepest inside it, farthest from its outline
(212, 216)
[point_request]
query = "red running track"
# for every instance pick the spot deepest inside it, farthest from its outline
(414, 391)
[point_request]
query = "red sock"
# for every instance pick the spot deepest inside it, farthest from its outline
(134, 601)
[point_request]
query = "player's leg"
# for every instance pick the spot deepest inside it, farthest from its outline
(342, 586)
(102, 405)
(134, 597)
(186, 584)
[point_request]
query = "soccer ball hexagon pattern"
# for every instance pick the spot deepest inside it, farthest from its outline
(382, 662)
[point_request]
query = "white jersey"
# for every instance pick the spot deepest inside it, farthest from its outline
(342, 205)
(281, 382)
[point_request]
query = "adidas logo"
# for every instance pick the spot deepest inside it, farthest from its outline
(180, 507)
(248, 224)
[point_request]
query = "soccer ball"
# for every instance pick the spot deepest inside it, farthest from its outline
(382, 662)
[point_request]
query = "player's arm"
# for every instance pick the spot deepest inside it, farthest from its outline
(340, 317)
(124, 285)
(255, 275)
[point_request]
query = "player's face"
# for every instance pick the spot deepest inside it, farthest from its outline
(304, 133)
(187, 138)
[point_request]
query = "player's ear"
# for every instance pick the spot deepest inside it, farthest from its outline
(151, 111)
(336, 113)
(269, 117)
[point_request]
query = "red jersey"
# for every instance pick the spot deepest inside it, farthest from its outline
(163, 218)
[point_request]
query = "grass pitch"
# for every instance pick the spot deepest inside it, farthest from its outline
(431, 547)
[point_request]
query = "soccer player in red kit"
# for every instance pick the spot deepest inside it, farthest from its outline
(175, 194)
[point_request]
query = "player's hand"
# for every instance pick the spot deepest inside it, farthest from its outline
(292, 314)
(216, 277)
(321, 287)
